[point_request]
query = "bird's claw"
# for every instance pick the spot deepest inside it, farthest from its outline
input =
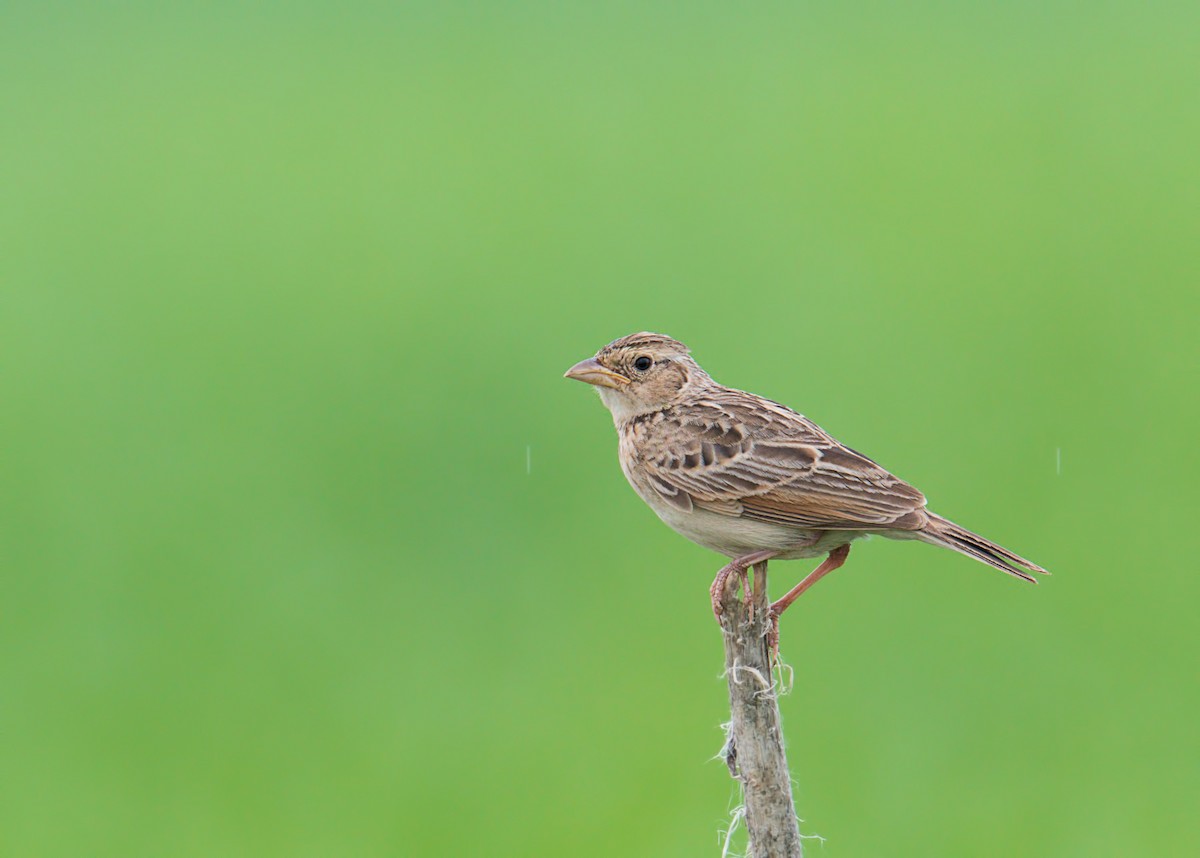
(773, 634)
(741, 567)
(717, 591)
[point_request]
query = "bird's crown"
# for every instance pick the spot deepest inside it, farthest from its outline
(644, 339)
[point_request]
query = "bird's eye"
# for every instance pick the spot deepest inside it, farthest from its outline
(642, 364)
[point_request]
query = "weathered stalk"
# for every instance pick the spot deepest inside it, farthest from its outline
(754, 748)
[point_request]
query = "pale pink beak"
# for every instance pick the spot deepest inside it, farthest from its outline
(592, 372)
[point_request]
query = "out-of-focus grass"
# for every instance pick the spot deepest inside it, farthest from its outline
(287, 293)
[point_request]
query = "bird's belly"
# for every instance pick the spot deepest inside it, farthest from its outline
(737, 536)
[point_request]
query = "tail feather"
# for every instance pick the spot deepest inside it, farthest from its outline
(947, 534)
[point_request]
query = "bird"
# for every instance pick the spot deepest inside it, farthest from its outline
(752, 479)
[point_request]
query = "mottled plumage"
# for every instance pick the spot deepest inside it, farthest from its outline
(750, 478)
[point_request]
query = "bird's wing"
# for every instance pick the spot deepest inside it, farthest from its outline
(741, 455)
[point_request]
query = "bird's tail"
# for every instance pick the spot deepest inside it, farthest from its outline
(947, 534)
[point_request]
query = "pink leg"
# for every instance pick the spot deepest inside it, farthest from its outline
(737, 567)
(835, 559)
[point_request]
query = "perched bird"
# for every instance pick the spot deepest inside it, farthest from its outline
(750, 478)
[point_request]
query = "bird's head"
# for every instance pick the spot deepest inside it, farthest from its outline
(640, 373)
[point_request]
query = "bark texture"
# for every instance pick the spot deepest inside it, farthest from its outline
(754, 748)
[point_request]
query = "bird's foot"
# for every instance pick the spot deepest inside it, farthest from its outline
(773, 635)
(717, 590)
(738, 566)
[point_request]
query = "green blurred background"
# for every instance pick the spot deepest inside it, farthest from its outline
(309, 550)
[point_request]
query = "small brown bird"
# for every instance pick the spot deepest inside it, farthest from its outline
(750, 478)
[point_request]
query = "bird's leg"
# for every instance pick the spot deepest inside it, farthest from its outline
(835, 559)
(737, 566)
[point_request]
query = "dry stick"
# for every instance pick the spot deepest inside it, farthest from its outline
(754, 747)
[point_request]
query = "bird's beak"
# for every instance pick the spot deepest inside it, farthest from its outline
(592, 372)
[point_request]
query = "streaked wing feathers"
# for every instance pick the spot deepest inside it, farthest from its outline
(739, 454)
